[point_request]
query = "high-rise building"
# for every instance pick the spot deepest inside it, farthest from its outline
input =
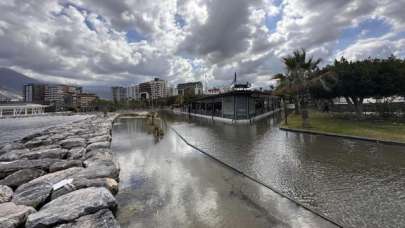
(190, 89)
(119, 94)
(158, 88)
(133, 92)
(55, 96)
(34, 93)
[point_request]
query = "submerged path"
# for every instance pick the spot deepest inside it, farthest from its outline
(166, 183)
(355, 183)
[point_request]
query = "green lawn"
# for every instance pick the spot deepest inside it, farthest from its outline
(382, 130)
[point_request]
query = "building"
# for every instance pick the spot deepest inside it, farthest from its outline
(158, 88)
(119, 94)
(172, 91)
(34, 93)
(145, 90)
(133, 92)
(61, 97)
(54, 95)
(238, 106)
(190, 89)
(85, 101)
(154, 89)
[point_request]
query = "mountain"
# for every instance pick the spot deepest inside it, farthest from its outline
(13, 82)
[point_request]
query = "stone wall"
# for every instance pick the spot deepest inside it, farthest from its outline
(62, 177)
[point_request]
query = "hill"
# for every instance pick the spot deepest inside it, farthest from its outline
(13, 81)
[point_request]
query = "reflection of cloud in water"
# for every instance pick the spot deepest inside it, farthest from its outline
(169, 184)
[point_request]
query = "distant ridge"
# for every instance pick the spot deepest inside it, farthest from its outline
(13, 81)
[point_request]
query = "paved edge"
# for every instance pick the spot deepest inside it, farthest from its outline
(313, 132)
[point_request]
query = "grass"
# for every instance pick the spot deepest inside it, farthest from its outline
(323, 122)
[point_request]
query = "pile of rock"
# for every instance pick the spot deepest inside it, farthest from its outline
(62, 177)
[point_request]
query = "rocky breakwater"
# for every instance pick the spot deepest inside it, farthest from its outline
(62, 177)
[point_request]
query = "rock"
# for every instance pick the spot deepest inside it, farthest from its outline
(12, 216)
(101, 219)
(33, 143)
(101, 138)
(73, 142)
(47, 153)
(13, 155)
(46, 147)
(7, 168)
(76, 153)
(22, 176)
(79, 183)
(6, 193)
(98, 145)
(32, 194)
(30, 137)
(100, 170)
(12, 146)
(53, 178)
(57, 166)
(69, 207)
(99, 154)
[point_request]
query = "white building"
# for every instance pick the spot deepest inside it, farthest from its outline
(133, 92)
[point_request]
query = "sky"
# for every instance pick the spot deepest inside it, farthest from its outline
(111, 42)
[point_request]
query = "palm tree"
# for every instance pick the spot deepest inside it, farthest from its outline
(299, 72)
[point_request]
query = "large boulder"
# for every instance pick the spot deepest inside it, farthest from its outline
(98, 154)
(73, 142)
(46, 153)
(53, 178)
(100, 170)
(98, 145)
(101, 138)
(22, 176)
(13, 154)
(34, 143)
(70, 185)
(76, 153)
(101, 219)
(30, 137)
(12, 216)
(33, 194)
(7, 168)
(6, 193)
(57, 166)
(69, 207)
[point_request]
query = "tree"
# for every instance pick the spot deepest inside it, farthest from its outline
(359, 80)
(300, 70)
(282, 92)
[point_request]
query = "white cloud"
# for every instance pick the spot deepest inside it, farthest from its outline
(85, 41)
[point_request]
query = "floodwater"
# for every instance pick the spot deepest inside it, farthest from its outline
(166, 183)
(12, 129)
(356, 183)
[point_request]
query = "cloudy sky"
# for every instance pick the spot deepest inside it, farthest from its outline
(112, 42)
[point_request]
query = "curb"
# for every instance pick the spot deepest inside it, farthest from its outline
(387, 142)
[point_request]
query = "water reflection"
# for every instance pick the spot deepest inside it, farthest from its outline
(168, 184)
(357, 183)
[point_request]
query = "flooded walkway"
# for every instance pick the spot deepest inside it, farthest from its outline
(356, 183)
(165, 183)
